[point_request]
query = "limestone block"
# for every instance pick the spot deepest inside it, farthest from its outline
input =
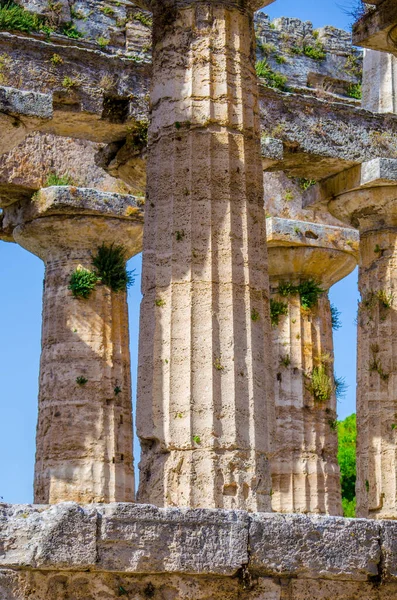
(145, 539)
(389, 549)
(42, 536)
(314, 547)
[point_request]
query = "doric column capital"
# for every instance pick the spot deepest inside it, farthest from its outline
(363, 196)
(304, 250)
(74, 220)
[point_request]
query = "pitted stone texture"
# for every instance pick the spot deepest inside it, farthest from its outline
(95, 96)
(283, 198)
(40, 537)
(20, 113)
(376, 485)
(145, 539)
(204, 410)
(76, 202)
(314, 547)
(26, 168)
(305, 472)
(379, 82)
(84, 433)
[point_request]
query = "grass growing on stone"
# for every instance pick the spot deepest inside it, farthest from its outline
(277, 309)
(82, 282)
(271, 78)
(320, 384)
(55, 179)
(16, 18)
(355, 91)
(110, 268)
(309, 292)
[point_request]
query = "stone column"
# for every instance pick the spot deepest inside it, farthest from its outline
(305, 471)
(379, 82)
(205, 396)
(366, 197)
(84, 431)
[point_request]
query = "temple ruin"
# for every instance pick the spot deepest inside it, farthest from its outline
(236, 153)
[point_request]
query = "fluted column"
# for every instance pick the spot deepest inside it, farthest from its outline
(84, 431)
(366, 197)
(377, 376)
(205, 396)
(305, 471)
(379, 82)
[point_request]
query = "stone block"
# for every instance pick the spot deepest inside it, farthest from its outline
(314, 547)
(40, 537)
(144, 539)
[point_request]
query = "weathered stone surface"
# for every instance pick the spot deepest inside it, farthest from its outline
(84, 434)
(146, 539)
(379, 82)
(41, 537)
(204, 408)
(321, 138)
(20, 113)
(95, 96)
(314, 547)
(305, 472)
(26, 168)
(377, 28)
(285, 44)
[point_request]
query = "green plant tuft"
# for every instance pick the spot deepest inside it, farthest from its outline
(309, 292)
(335, 318)
(196, 439)
(340, 387)
(271, 78)
(355, 91)
(82, 282)
(16, 18)
(320, 384)
(117, 390)
(316, 52)
(81, 380)
(71, 31)
(255, 315)
(277, 309)
(305, 184)
(109, 263)
(55, 179)
(285, 361)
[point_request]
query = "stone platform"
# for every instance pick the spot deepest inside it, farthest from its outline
(106, 551)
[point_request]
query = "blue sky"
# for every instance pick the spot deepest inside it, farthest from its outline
(21, 275)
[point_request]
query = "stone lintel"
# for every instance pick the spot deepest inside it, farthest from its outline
(321, 138)
(292, 233)
(143, 539)
(379, 172)
(71, 201)
(95, 96)
(373, 29)
(254, 4)
(303, 136)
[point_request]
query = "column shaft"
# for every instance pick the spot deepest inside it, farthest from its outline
(377, 377)
(84, 431)
(204, 400)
